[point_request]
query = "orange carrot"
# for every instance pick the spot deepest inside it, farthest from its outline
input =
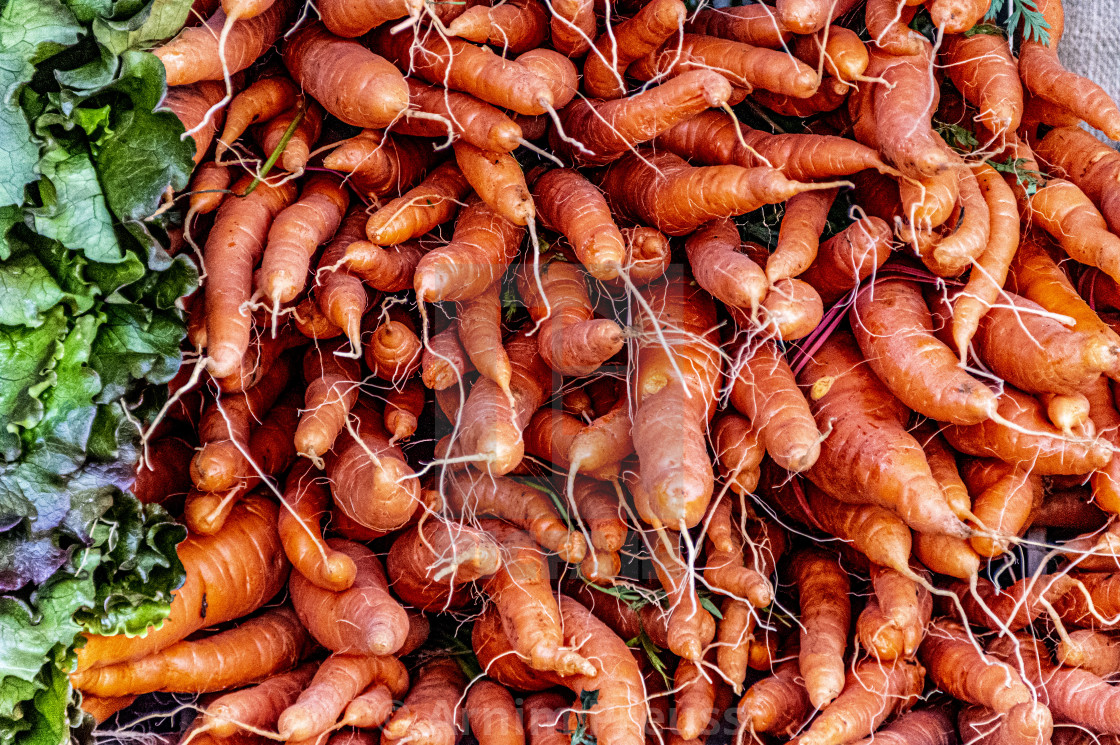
(258, 706)
(393, 349)
(193, 55)
(381, 164)
(261, 101)
(888, 24)
(572, 26)
(340, 293)
(605, 69)
(872, 693)
(233, 248)
(482, 246)
(804, 220)
(434, 201)
(738, 451)
(571, 205)
(305, 503)
(492, 715)
(497, 179)
(259, 647)
(691, 626)
(776, 705)
(373, 706)
(749, 24)
(983, 70)
(403, 409)
(190, 103)
(430, 713)
(721, 269)
(604, 441)
(431, 565)
(352, 18)
(208, 188)
(513, 27)
(791, 310)
(444, 363)
(480, 124)
(825, 615)
(102, 708)
(339, 679)
(480, 331)
(1073, 153)
(297, 151)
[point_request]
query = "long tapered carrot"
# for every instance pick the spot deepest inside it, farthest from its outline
(605, 68)
(261, 101)
(433, 201)
(569, 204)
(256, 707)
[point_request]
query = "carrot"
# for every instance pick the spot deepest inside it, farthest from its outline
(990, 272)
(573, 26)
(745, 66)
(194, 54)
(264, 351)
(1063, 211)
(224, 432)
(208, 187)
(802, 223)
(825, 615)
(393, 350)
(371, 480)
(894, 330)
(497, 179)
(693, 698)
(825, 99)
(1092, 599)
(234, 245)
(661, 190)
(361, 620)
(571, 205)
(605, 130)
(917, 727)
(1073, 153)
(957, 16)
(492, 714)
(846, 395)
(1093, 651)
(526, 604)
(444, 362)
(430, 712)
(270, 135)
(879, 635)
(460, 114)
(312, 323)
(849, 257)
(872, 693)
(433, 202)
(261, 101)
(372, 707)
(948, 555)
(257, 648)
(430, 565)
(958, 667)
(1013, 607)
(766, 392)
(513, 27)
(905, 603)
(341, 293)
(1045, 451)
(1004, 496)
(403, 409)
(543, 713)
(985, 73)
(352, 19)
(549, 436)
(673, 396)
(295, 234)
(955, 251)
(482, 246)
(526, 507)
(1073, 695)
(943, 465)
(748, 24)
(1036, 276)
(776, 705)
(305, 500)
(605, 69)
(381, 164)
(888, 24)
(494, 422)
(190, 103)
(339, 679)
(556, 70)
(1106, 420)
(461, 66)
(604, 441)
(720, 268)
(1044, 76)
(725, 573)
(1026, 723)
(738, 452)
(691, 627)
(838, 51)
(734, 635)
(713, 138)
(103, 708)
(1058, 360)
(572, 341)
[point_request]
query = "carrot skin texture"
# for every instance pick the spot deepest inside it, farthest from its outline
(261, 101)
(419, 556)
(802, 223)
(570, 204)
(306, 502)
(691, 627)
(916, 727)
(403, 410)
(249, 580)
(960, 669)
(1073, 153)
(825, 617)
(776, 705)
(497, 179)
(872, 692)
(493, 716)
(190, 103)
(848, 258)
(983, 70)
(573, 26)
(720, 268)
(605, 69)
(1067, 214)
(444, 362)
(234, 246)
(193, 54)
(758, 27)
(261, 646)
(513, 27)
(846, 394)
(1090, 650)
(1004, 497)
(431, 708)
(433, 202)
(738, 451)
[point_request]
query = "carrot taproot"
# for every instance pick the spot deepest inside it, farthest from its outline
(1091, 602)
(338, 680)
(777, 704)
(1013, 607)
(882, 637)
(556, 70)
(715, 138)
(662, 190)
(726, 573)
(544, 719)
(444, 362)
(916, 727)
(225, 432)
(352, 19)
(381, 164)
(431, 565)
(734, 635)
(101, 708)
(1004, 496)
(872, 693)
(955, 251)
(837, 51)
(1073, 153)
(430, 712)
(799, 238)
(164, 474)
(846, 395)
(191, 103)
(261, 646)
(332, 391)
(513, 27)
(261, 101)
(549, 436)
(305, 503)
(569, 204)
(340, 292)
(571, 340)
(849, 257)
(894, 330)
(1063, 211)
(604, 441)
(312, 323)
(361, 620)
(526, 604)
(373, 706)
(985, 73)
(447, 113)
(948, 555)
(403, 409)
(1105, 418)
(888, 24)
(434, 201)
(738, 451)
(497, 179)
(825, 615)
(461, 66)
(297, 150)
(194, 53)
(528, 508)
(482, 246)
(905, 603)
(296, 232)
(492, 715)
(605, 68)
(721, 269)
(233, 247)
(1090, 650)
(602, 131)
(691, 627)
(957, 16)
(748, 24)
(209, 185)
(694, 699)
(1026, 723)
(393, 350)
(572, 26)
(371, 480)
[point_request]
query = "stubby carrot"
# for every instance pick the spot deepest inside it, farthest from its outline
(872, 693)
(776, 705)
(691, 627)
(722, 269)
(381, 164)
(430, 565)
(430, 712)
(513, 27)
(492, 714)
(605, 68)
(403, 409)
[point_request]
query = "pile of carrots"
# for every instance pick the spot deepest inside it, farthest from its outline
(493, 419)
